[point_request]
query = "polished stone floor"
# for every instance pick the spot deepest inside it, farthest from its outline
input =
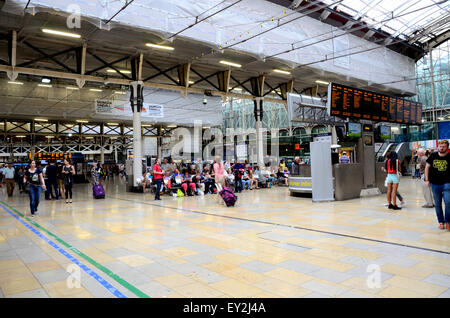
(269, 245)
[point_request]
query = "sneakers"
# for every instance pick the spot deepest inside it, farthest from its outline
(427, 206)
(394, 207)
(390, 206)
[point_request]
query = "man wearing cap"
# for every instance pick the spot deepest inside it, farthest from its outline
(9, 173)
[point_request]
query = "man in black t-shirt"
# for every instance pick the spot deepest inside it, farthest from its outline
(437, 175)
(52, 173)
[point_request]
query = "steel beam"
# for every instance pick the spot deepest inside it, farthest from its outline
(119, 81)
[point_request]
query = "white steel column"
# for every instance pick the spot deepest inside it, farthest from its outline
(136, 105)
(159, 143)
(259, 132)
(116, 157)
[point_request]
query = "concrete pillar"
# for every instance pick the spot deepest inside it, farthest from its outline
(259, 132)
(116, 157)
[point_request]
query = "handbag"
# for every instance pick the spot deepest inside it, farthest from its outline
(180, 193)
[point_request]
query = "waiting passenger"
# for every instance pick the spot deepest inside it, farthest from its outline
(187, 184)
(393, 169)
(344, 158)
(246, 182)
(282, 177)
(69, 172)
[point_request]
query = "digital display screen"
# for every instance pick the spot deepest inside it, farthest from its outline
(354, 130)
(385, 132)
(350, 102)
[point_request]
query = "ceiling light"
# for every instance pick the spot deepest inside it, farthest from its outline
(44, 85)
(89, 137)
(236, 89)
(40, 119)
(70, 135)
(82, 121)
(322, 82)
(441, 118)
(191, 82)
(49, 137)
(120, 92)
(17, 83)
(72, 87)
(121, 71)
(146, 125)
(171, 126)
(230, 63)
(71, 35)
(20, 136)
(45, 80)
(112, 124)
(162, 47)
(282, 72)
(95, 90)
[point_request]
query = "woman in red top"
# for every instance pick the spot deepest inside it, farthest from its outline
(158, 177)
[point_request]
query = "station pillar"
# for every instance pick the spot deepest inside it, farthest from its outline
(159, 143)
(137, 101)
(258, 112)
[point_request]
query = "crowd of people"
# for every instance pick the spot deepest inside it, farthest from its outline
(202, 177)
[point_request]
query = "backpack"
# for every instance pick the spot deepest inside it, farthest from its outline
(228, 196)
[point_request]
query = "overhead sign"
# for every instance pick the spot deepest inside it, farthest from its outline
(297, 146)
(120, 108)
(350, 102)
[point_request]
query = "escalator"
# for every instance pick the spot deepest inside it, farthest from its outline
(402, 150)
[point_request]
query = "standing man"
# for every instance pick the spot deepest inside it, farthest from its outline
(344, 158)
(9, 173)
(421, 164)
(158, 177)
(52, 174)
(437, 175)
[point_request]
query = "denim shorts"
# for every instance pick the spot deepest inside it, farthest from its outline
(392, 178)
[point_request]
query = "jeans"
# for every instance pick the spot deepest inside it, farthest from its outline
(158, 183)
(49, 184)
(246, 184)
(237, 184)
(441, 191)
(35, 193)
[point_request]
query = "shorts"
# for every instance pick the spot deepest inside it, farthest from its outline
(392, 178)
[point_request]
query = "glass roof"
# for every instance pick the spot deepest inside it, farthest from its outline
(415, 20)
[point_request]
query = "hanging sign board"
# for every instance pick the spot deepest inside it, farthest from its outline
(118, 108)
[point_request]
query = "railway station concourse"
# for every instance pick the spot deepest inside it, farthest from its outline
(297, 104)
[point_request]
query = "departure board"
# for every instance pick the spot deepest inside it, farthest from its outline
(376, 101)
(399, 114)
(392, 109)
(347, 102)
(357, 103)
(412, 113)
(336, 100)
(350, 102)
(384, 108)
(406, 111)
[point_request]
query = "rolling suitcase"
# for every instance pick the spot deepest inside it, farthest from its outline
(99, 191)
(228, 196)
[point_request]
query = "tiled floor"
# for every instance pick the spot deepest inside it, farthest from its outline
(269, 245)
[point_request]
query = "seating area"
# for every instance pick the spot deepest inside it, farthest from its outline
(199, 179)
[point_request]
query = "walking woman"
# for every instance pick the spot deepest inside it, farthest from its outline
(219, 175)
(68, 172)
(35, 178)
(393, 170)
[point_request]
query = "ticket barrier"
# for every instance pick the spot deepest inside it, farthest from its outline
(348, 181)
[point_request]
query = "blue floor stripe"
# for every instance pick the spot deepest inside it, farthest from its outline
(89, 271)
